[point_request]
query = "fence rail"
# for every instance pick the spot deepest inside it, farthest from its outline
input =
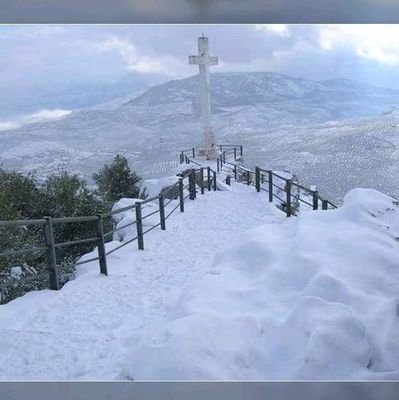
(287, 190)
(167, 203)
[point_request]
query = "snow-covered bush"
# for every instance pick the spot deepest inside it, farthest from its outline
(153, 187)
(129, 217)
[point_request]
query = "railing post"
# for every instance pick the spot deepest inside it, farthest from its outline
(193, 152)
(235, 172)
(241, 150)
(54, 283)
(102, 258)
(139, 225)
(181, 158)
(288, 200)
(162, 212)
(181, 194)
(248, 178)
(217, 163)
(202, 180)
(192, 184)
(224, 157)
(257, 179)
(315, 200)
(220, 147)
(228, 180)
(209, 178)
(270, 179)
(214, 181)
(235, 153)
(324, 205)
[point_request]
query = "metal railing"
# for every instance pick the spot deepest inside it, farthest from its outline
(168, 201)
(287, 191)
(187, 156)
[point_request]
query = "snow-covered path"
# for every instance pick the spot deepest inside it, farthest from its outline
(232, 290)
(86, 330)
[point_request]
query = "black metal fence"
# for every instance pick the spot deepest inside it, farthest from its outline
(170, 200)
(235, 150)
(287, 191)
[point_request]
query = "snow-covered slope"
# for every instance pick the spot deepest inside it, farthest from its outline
(310, 298)
(283, 122)
(275, 91)
(232, 290)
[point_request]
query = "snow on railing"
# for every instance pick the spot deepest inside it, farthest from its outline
(185, 188)
(289, 193)
(285, 189)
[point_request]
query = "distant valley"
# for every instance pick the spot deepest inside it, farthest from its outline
(336, 134)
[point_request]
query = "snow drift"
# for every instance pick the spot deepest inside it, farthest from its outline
(313, 297)
(231, 290)
(128, 217)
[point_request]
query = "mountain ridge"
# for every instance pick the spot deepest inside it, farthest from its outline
(229, 89)
(311, 128)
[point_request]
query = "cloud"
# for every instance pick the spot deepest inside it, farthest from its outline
(55, 59)
(137, 62)
(8, 125)
(278, 29)
(37, 117)
(374, 42)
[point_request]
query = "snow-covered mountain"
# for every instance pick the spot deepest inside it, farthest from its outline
(313, 128)
(330, 99)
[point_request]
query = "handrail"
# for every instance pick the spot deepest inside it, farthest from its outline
(279, 176)
(119, 210)
(259, 180)
(150, 214)
(303, 187)
(51, 246)
(195, 178)
(75, 242)
(149, 200)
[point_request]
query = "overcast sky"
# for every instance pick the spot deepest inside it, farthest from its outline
(62, 55)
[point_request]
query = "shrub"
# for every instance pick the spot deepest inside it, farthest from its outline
(18, 195)
(116, 180)
(22, 197)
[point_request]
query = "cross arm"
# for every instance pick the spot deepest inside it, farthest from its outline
(203, 60)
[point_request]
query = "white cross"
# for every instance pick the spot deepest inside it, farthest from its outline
(204, 60)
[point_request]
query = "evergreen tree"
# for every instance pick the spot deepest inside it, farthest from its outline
(117, 180)
(18, 196)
